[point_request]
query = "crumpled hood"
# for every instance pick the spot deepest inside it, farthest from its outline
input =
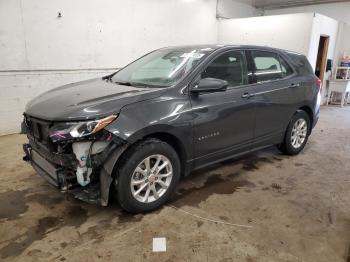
(87, 100)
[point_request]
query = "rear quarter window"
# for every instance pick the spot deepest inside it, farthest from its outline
(300, 63)
(285, 68)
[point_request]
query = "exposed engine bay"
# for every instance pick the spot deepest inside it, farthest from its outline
(77, 160)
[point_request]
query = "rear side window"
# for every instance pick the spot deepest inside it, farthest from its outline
(229, 66)
(269, 66)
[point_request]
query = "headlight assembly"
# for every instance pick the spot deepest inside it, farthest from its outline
(68, 130)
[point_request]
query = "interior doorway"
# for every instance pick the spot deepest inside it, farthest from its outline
(322, 57)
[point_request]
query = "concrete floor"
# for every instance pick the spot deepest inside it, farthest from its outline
(289, 208)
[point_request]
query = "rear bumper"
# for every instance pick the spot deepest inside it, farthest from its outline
(315, 121)
(317, 109)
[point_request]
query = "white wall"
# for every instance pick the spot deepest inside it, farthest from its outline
(338, 11)
(18, 88)
(343, 43)
(322, 26)
(295, 32)
(236, 9)
(40, 51)
(94, 34)
(291, 32)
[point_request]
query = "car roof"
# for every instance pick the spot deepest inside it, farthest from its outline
(214, 47)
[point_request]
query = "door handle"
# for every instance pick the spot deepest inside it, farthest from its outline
(247, 95)
(294, 85)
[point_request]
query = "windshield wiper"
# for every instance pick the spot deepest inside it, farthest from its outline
(136, 84)
(125, 83)
(133, 84)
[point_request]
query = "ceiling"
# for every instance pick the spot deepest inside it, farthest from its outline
(273, 4)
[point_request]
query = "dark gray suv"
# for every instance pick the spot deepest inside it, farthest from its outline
(171, 111)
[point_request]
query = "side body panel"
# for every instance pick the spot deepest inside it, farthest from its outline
(223, 125)
(276, 101)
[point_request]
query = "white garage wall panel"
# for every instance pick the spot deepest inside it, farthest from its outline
(343, 44)
(291, 32)
(94, 34)
(338, 11)
(294, 32)
(90, 39)
(19, 88)
(322, 26)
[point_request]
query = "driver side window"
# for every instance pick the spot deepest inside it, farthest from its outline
(230, 67)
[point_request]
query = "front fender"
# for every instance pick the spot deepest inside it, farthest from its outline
(172, 115)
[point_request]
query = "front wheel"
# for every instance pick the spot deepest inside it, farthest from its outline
(297, 133)
(148, 176)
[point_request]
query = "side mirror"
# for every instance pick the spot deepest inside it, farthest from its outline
(208, 85)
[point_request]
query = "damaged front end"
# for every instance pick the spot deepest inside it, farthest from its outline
(76, 157)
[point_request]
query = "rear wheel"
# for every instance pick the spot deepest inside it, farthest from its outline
(148, 176)
(297, 133)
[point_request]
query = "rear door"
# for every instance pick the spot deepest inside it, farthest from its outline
(277, 94)
(223, 121)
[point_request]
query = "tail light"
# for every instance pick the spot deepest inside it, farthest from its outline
(319, 83)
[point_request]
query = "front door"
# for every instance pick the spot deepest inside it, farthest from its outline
(223, 121)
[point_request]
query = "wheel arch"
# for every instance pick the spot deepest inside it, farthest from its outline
(309, 112)
(163, 135)
(175, 143)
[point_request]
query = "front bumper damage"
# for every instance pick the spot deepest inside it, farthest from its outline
(62, 169)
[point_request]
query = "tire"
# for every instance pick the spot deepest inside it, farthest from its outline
(133, 168)
(288, 147)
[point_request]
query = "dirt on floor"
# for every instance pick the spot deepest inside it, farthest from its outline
(262, 207)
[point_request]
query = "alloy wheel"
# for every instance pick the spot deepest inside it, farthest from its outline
(151, 178)
(299, 133)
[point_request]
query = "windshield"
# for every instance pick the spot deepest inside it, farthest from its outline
(161, 68)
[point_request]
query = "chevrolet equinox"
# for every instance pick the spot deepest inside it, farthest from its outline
(166, 114)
